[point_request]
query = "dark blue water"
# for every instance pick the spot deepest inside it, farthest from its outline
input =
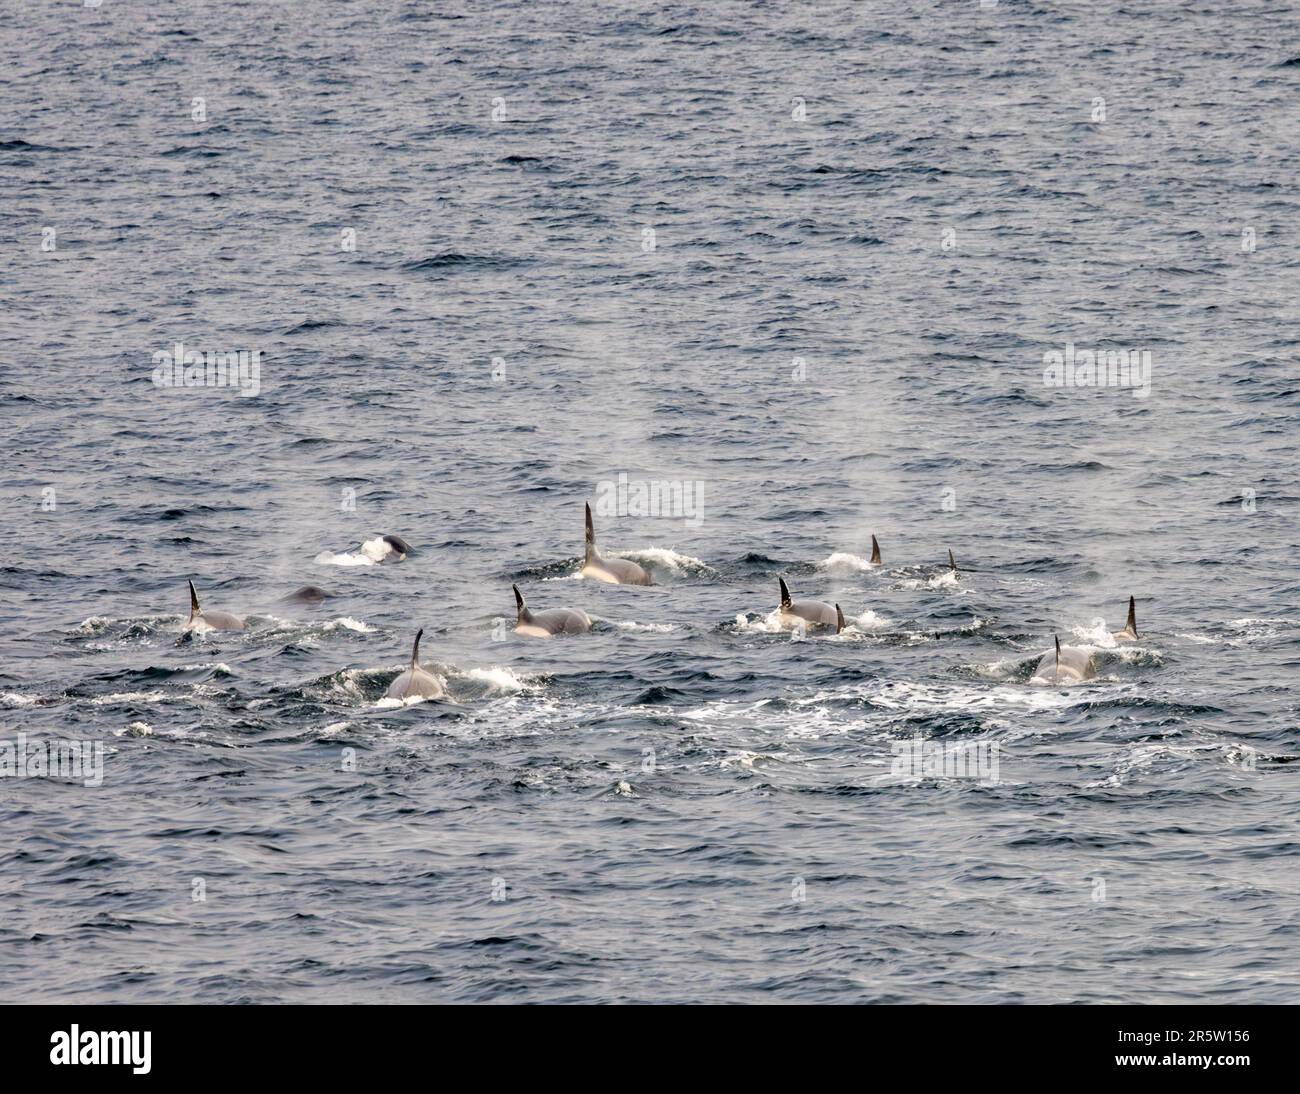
(870, 224)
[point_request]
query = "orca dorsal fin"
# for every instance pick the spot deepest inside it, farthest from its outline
(1132, 625)
(415, 649)
(875, 551)
(785, 593)
(839, 619)
(521, 609)
(590, 552)
(194, 602)
(1056, 668)
(952, 562)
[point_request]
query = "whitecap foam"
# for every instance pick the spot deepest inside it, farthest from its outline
(1251, 630)
(346, 558)
(846, 563)
(13, 699)
(665, 558)
(1097, 636)
(220, 668)
(1143, 756)
(130, 697)
(768, 624)
(392, 704)
(746, 759)
(654, 628)
(869, 621)
(499, 679)
(904, 695)
(775, 623)
(946, 580)
(371, 552)
(348, 623)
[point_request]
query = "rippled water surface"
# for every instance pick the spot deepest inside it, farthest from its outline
(808, 256)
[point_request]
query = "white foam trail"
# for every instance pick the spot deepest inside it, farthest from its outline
(13, 699)
(655, 628)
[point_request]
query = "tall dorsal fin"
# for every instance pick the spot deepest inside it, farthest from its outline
(415, 649)
(194, 602)
(1056, 668)
(785, 593)
(521, 609)
(839, 619)
(590, 551)
(1132, 625)
(875, 551)
(952, 562)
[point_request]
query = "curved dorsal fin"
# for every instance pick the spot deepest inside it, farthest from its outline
(785, 593)
(521, 609)
(952, 562)
(1132, 624)
(194, 602)
(875, 551)
(839, 619)
(415, 648)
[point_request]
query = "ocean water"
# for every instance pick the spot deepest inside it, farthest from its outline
(806, 260)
